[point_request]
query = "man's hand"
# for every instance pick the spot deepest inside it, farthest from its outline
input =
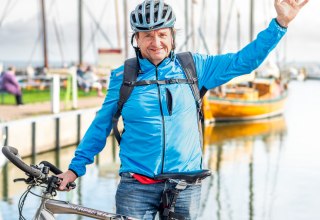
(287, 10)
(67, 177)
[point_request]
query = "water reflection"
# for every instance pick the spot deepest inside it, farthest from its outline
(90, 191)
(261, 170)
(241, 155)
(237, 154)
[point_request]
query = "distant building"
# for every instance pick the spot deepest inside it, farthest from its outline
(110, 58)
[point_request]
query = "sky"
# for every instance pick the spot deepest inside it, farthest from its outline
(20, 26)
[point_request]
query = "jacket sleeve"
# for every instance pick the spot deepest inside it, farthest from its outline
(214, 71)
(95, 137)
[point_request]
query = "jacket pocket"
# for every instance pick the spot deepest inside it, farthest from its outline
(169, 101)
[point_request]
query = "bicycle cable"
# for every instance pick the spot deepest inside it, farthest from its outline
(22, 200)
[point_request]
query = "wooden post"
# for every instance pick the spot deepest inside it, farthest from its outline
(33, 143)
(73, 72)
(55, 94)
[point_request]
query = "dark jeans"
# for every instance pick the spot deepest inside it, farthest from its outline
(142, 201)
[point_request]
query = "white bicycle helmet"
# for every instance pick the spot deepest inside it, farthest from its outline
(152, 15)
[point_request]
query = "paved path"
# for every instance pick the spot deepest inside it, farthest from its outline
(13, 112)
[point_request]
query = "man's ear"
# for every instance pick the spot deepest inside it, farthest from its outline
(136, 36)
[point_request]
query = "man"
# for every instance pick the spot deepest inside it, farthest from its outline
(162, 136)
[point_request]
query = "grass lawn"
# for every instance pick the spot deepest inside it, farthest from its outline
(34, 96)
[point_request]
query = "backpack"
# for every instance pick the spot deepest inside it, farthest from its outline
(131, 71)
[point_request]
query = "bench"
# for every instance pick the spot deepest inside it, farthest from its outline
(2, 94)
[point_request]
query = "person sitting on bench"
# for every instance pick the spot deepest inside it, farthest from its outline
(11, 85)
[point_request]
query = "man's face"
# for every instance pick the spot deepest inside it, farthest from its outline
(155, 45)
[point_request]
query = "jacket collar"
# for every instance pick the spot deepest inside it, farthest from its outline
(146, 65)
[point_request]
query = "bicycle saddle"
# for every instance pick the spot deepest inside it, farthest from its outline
(188, 177)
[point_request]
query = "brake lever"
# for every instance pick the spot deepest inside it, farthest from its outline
(20, 180)
(27, 181)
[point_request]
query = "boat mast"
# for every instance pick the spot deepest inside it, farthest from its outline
(117, 23)
(126, 47)
(80, 31)
(219, 28)
(44, 31)
(192, 25)
(186, 15)
(251, 20)
(238, 30)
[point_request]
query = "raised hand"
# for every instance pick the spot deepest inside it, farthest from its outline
(287, 10)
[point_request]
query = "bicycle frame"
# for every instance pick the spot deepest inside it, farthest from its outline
(49, 207)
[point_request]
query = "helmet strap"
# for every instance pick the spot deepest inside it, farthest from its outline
(173, 34)
(132, 37)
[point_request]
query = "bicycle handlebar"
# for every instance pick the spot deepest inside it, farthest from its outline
(57, 171)
(52, 167)
(12, 154)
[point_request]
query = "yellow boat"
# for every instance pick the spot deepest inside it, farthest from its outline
(264, 98)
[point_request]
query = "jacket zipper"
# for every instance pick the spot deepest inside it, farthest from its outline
(163, 126)
(169, 101)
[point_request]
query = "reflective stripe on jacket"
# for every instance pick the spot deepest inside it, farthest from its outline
(156, 141)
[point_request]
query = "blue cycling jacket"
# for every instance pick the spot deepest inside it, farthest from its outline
(156, 141)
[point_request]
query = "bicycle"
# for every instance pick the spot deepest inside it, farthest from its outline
(38, 175)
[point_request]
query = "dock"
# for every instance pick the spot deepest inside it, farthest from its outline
(34, 129)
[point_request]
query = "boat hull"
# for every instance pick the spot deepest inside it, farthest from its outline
(239, 110)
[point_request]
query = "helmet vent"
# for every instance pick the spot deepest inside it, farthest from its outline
(140, 18)
(162, 16)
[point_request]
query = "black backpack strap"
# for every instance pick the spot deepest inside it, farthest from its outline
(159, 82)
(187, 63)
(130, 74)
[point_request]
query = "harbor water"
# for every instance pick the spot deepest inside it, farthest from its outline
(263, 170)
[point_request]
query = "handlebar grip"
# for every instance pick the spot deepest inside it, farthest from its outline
(12, 154)
(57, 171)
(71, 185)
(52, 167)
